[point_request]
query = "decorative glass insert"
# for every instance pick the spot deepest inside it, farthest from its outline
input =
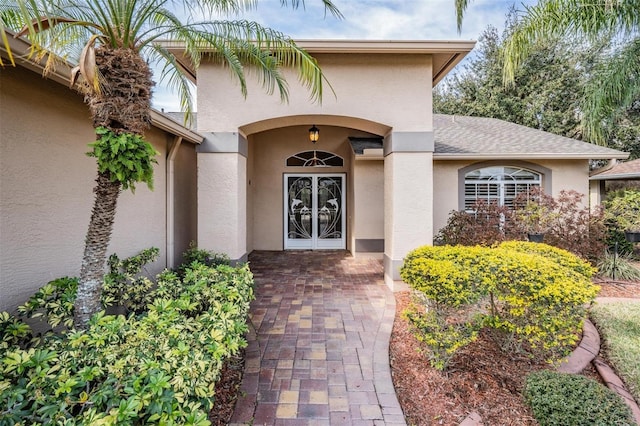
(300, 206)
(330, 211)
(500, 184)
(315, 159)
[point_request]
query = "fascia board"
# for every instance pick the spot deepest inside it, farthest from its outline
(521, 156)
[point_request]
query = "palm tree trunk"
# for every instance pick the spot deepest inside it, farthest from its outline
(95, 250)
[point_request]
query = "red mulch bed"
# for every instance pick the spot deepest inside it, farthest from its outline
(227, 391)
(482, 378)
(618, 288)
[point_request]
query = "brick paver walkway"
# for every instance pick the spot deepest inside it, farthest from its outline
(318, 353)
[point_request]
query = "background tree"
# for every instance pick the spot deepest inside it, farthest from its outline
(546, 95)
(113, 41)
(614, 85)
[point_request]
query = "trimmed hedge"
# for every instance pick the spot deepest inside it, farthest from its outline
(559, 399)
(532, 294)
(156, 367)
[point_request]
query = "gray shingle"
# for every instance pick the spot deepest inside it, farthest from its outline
(462, 135)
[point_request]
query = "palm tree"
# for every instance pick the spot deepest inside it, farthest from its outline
(114, 41)
(615, 83)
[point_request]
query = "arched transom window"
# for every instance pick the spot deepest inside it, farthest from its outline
(499, 184)
(315, 159)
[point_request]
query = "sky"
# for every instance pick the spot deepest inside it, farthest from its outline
(372, 20)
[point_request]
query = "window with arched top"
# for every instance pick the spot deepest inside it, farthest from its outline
(498, 184)
(315, 159)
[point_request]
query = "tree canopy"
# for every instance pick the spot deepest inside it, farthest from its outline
(614, 85)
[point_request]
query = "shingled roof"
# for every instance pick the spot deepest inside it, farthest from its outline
(462, 137)
(620, 171)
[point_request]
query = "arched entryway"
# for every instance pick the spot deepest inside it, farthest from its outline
(304, 195)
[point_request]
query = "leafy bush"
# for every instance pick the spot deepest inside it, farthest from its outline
(126, 156)
(532, 295)
(568, 223)
(488, 224)
(442, 336)
(558, 255)
(124, 285)
(205, 257)
(623, 209)
(158, 367)
(578, 229)
(559, 399)
(53, 302)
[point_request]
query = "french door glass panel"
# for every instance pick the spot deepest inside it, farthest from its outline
(314, 216)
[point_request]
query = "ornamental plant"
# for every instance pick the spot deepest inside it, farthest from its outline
(159, 366)
(559, 399)
(486, 224)
(535, 211)
(623, 209)
(531, 296)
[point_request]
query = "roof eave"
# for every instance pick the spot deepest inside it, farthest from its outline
(533, 156)
(627, 176)
(62, 75)
(449, 52)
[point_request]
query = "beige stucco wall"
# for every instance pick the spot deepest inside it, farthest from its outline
(185, 200)
(46, 184)
(368, 189)
(565, 174)
(222, 203)
(383, 88)
(408, 195)
(388, 95)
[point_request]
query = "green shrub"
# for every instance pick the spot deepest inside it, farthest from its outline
(536, 301)
(618, 267)
(558, 399)
(206, 257)
(124, 285)
(558, 255)
(158, 367)
(53, 303)
(623, 209)
(442, 336)
(532, 295)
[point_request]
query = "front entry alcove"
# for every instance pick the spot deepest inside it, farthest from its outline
(306, 196)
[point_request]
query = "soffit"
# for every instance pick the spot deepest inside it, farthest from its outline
(445, 54)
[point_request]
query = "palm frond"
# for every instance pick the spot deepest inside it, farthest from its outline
(555, 18)
(175, 77)
(65, 26)
(329, 6)
(612, 89)
(461, 7)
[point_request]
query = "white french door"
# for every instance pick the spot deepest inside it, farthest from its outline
(314, 211)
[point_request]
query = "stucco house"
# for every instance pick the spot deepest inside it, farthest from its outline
(380, 180)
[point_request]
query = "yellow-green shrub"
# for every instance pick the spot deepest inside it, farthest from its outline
(558, 255)
(532, 294)
(537, 301)
(443, 338)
